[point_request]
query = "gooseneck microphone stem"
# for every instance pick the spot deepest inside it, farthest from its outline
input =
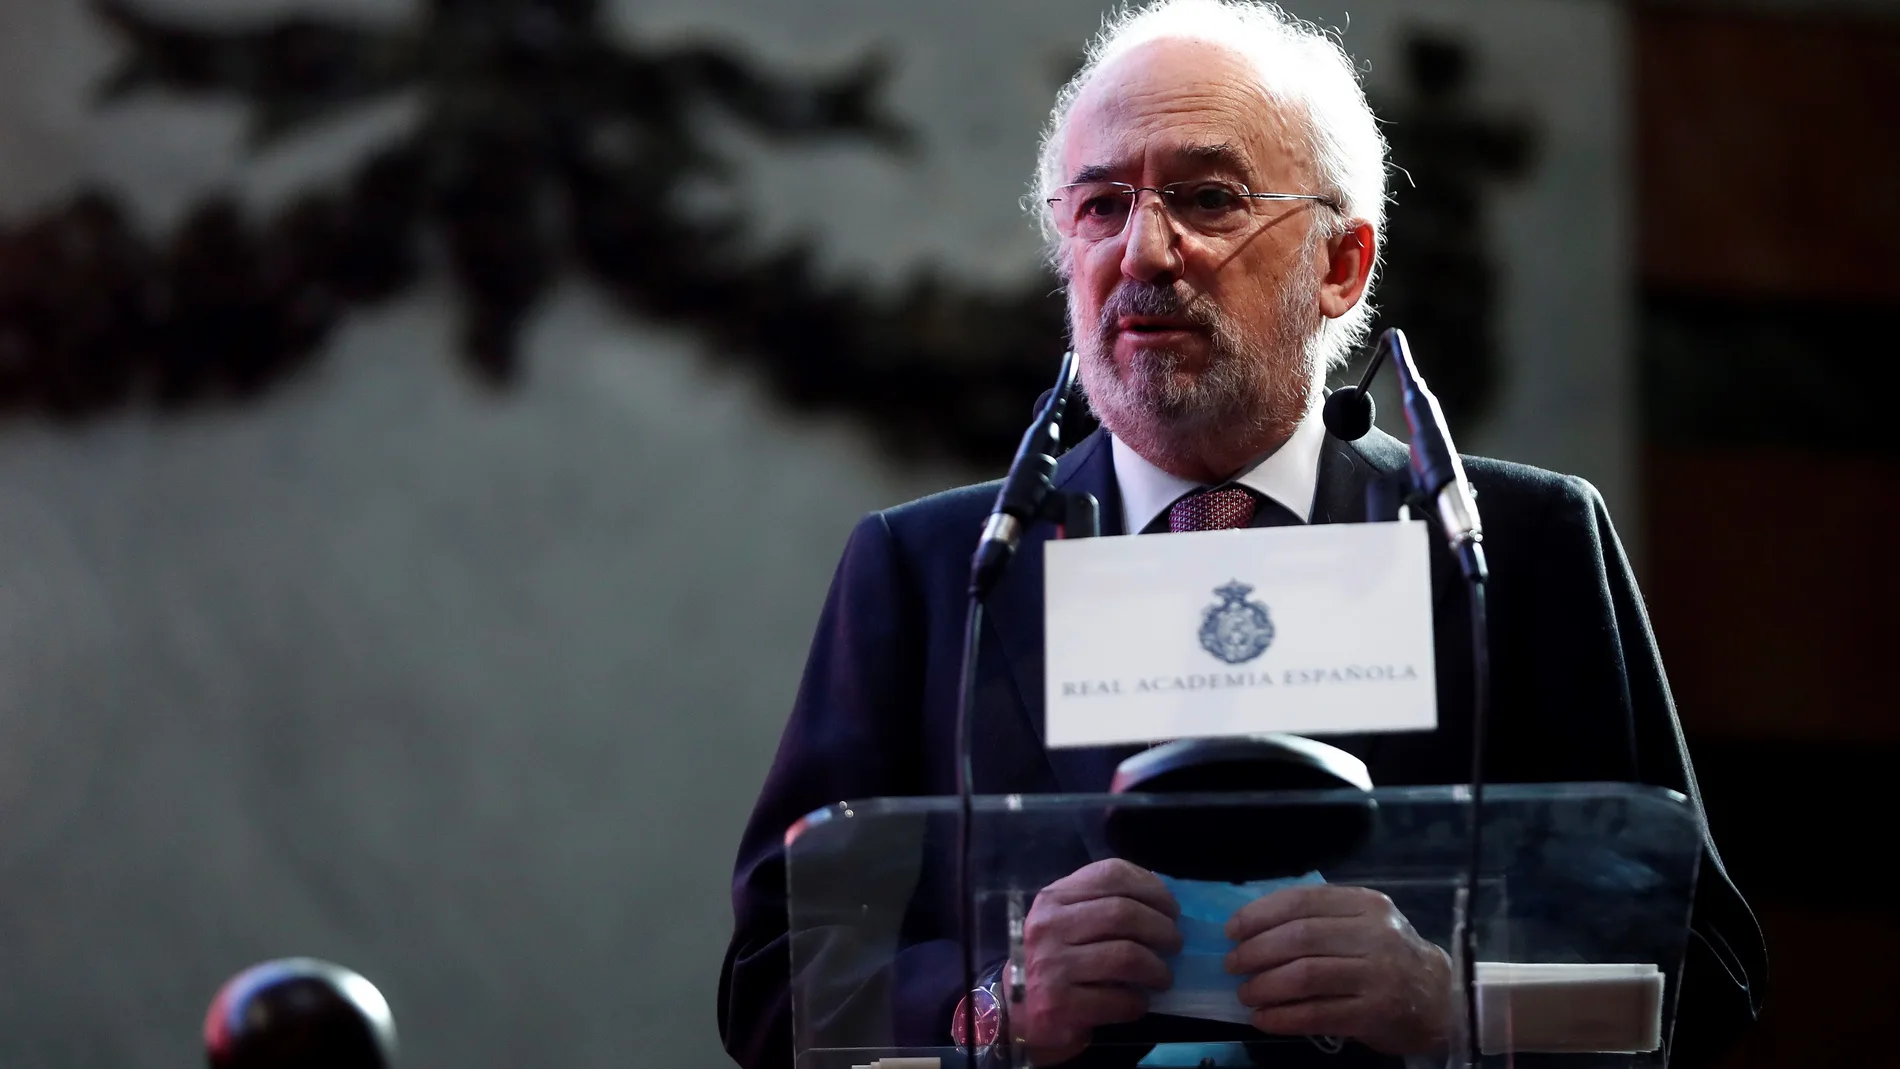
(1026, 496)
(1439, 476)
(1480, 713)
(966, 791)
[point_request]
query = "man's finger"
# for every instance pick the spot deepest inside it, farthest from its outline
(1121, 961)
(1344, 1017)
(1115, 878)
(1100, 920)
(1305, 937)
(1306, 900)
(1305, 980)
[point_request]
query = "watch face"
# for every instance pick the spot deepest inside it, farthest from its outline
(989, 1019)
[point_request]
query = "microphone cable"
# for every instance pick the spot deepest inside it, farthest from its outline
(966, 791)
(1480, 715)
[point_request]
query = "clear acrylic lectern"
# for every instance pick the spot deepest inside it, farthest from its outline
(1581, 915)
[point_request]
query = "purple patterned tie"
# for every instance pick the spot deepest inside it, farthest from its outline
(1212, 510)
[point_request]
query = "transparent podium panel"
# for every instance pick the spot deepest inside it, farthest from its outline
(1580, 916)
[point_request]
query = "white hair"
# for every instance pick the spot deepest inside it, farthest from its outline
(1300, 65)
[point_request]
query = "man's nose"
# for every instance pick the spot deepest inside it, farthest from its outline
(1150, 252)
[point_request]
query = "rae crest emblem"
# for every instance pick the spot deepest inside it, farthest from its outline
(1236, 630)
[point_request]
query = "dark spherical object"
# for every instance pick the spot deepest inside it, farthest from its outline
(299, 1013)
(1349, 413)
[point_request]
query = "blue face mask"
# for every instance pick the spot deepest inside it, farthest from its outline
(1202, 985)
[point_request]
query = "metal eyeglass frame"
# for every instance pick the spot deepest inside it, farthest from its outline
(1134, 192)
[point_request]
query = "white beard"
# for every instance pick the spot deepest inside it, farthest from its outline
(1253, 389)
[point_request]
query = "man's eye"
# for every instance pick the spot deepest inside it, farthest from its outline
(1211, 198)
(1103, 206)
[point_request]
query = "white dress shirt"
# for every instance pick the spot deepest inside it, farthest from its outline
(1289, 476)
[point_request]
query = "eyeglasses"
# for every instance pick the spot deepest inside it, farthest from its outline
(1094, 211)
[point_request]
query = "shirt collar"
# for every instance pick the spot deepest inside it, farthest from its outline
(1289, 475)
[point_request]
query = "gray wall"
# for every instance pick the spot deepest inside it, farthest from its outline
(472, 693)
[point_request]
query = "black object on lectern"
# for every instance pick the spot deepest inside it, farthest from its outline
(1260, 840)
(299, 1013)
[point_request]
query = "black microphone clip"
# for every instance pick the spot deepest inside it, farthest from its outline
(1349, 412)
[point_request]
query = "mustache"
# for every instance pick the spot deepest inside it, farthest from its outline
(1132, 298)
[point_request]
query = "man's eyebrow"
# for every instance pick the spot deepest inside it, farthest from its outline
(1221, 157)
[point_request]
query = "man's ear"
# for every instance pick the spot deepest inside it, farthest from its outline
(1349, 256)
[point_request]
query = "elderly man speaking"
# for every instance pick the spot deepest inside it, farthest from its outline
(1212, 184)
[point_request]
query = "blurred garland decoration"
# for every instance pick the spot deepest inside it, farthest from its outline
(545, 145)
(1441, 275)
(548, 144)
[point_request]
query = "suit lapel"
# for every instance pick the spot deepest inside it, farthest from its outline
(1347, 469)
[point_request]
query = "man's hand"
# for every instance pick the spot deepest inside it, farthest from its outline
(1330, 960)
(1093, 941)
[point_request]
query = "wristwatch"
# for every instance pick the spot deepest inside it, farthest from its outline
(987, 998)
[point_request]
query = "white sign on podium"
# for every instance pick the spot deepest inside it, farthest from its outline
(1309, 630)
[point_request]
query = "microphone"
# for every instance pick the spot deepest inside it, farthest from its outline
(1437, 472)
(1349, 411)
(1439, 475)
(1025, 488)
(299, 1013)
(1020, 502)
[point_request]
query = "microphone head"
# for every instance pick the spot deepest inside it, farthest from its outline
(1348, 413)
(299, 1013)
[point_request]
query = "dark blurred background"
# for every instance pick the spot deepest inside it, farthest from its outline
(1767, 162)
(427, 428)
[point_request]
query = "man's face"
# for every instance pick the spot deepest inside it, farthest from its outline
(1184, 337)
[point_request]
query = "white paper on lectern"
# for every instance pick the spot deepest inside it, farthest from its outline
(1341, 644)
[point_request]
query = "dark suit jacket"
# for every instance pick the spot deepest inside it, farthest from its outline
(1578, 695)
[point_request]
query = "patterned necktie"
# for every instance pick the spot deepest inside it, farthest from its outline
(1212, 510)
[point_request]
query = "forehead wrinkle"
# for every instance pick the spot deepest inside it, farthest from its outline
(1209, 128)
(1176, 129)
(1224, 156)
(1224, 98)
(1208, 105)
(1217, 157)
